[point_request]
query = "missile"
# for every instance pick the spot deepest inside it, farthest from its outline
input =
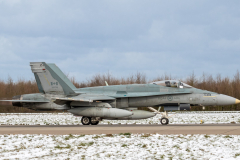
(100, 112)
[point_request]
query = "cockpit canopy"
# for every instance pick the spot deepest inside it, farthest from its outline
(172, 83)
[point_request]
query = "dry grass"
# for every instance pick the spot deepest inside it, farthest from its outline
(9, 88)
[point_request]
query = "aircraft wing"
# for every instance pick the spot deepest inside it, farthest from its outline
(83, 98)
(26, 101)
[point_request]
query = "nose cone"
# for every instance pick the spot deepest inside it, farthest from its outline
(226, 100)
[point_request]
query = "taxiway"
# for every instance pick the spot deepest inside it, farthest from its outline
(225, 129)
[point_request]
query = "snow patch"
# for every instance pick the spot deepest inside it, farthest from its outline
(120, 146)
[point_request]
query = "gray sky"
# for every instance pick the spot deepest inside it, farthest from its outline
(124, 36)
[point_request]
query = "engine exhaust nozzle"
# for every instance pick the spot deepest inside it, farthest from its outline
(17, 104)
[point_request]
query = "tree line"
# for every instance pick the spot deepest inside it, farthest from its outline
(223, 85)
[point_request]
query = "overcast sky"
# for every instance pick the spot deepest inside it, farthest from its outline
(124, 36)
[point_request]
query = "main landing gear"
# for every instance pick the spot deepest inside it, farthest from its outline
(89, 120)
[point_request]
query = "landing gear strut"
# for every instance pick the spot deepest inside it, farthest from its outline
(89, 120)
(165, 118)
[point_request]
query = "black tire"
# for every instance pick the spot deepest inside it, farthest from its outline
(86, 120)
(164, 121)
(94, 122)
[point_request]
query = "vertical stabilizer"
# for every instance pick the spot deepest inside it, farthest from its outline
(50, 79)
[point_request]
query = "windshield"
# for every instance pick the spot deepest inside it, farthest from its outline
(172, 83)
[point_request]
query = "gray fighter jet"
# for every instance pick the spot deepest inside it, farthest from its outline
(117, 102)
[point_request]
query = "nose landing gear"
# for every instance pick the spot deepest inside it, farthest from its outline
(164, 119)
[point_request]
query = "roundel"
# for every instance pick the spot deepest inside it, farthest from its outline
(170, 98)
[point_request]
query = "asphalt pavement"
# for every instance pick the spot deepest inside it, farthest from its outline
(225, 129)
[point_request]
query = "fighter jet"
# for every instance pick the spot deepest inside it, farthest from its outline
(115, 102)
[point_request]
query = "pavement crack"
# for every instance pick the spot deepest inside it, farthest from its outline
(230, 131)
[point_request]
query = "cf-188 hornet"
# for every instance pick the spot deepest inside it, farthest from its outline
(116, 102)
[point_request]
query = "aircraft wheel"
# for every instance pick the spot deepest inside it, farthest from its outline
(164, 121)
(94, 121)
(86, 120)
